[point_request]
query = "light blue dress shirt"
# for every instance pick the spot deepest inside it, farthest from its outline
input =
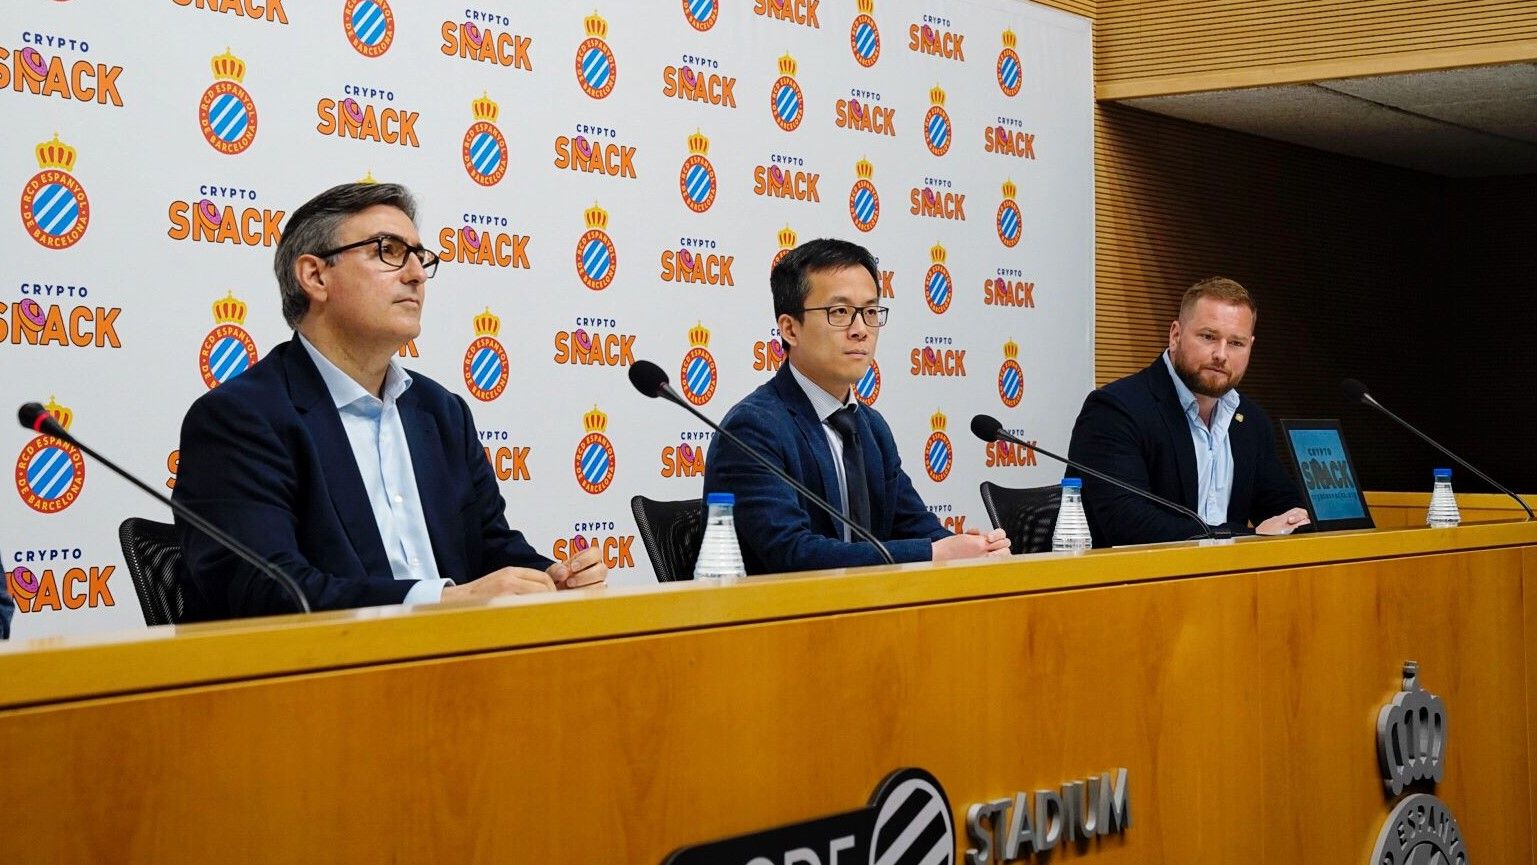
(1213, 449)
(824, 404)
(384, 460)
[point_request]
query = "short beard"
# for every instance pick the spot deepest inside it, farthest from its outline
(1191, 378)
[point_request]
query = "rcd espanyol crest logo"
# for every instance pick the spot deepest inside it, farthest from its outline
(50, 473)
(936, 124)
(1010, 220)
(1011, 378)
(54, 208)
(485, 150)
(787, 242)
(786, 100)
(596, 68)
(696, 180)
(864, 35)
(701, 14)
(938, 455)
(226, 113)
(370, 26)
(485, 361)
(868, 389)
(698, 373)
(938, 287)
(864, 201)
(228, 350)
(596, 258)
(1411, 747)
(595, 459)
(1010, 71)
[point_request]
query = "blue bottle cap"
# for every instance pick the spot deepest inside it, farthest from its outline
(1072, 483)
(1443, 473)
(720, 499)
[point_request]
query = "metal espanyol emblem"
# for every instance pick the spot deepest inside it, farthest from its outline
(1411, 747)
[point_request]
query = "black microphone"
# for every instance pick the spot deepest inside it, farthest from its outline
(989, 429)
(1355, 391)
(651, 381)
(36, 418)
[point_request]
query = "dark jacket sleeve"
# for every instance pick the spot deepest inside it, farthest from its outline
(1107, 437)
(237, 471)
(772, 522)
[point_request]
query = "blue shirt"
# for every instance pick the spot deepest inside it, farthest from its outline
(1213, 449)
(384, 460)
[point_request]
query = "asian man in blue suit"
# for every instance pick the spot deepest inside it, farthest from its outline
(364, 482)
(807, 420)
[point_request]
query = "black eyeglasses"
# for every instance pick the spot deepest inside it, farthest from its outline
(393, 251)
(843, 316)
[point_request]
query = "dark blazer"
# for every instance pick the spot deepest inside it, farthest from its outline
(778, 531)
(264, 457)
(1135, 429)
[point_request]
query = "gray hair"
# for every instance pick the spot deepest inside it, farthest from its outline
(312, 228)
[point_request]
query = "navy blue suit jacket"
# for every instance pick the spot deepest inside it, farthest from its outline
(1135, 429)
(264, 457)
(778, 531)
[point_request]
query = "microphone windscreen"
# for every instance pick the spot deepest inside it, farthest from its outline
(1353, 389)
(985, 427)
(29, 413)
(648, 378)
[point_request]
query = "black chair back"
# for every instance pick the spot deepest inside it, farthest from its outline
(1028, 514)
(153, 553)
(671, 532)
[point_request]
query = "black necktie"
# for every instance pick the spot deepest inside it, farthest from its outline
(858, 505)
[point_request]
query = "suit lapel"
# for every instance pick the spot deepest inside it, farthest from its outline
(875, 473)
(344, 482)
(1177, 427)
(813, 438)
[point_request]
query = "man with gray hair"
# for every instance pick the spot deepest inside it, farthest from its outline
(365, 483)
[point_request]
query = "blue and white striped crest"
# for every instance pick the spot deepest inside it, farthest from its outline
(228, 359)
(699, 376)
(1012, 382)
(698, 183)
(486, 153)
(1008, 224)
(596, 68)
(368, 23)
(865, 389)
(939, 288)
(596, 259)
(865, 40)
(939, 130)
(864, 204)
(228, 117)
(699, 11)
(56, 209)
(50, 473)
(939, 455)
(1009, 74)
(787, 104)
(486, 369)
(594, 463)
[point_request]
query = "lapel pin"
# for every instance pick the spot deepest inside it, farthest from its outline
(1238, 416)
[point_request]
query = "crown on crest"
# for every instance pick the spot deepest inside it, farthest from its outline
(866, 7)
(1011, 350)
(487, 323)
(1009, 189)
(938, 421)
(864, 169)
(787, 65)
(595, 26)
(229, 310)
(485, 108)
(937, 254)
(368, 177)
(55, 154)
(787, 238)
(60, 413)
(595, 421)
(698, 144)
(699, 336)
(1009, 38)
(1411, 735)
(937, 95)
(597, 217)
(228, 67)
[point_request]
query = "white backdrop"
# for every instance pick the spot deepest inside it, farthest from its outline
(155, 148)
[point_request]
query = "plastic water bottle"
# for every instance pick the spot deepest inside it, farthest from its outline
(1071, 533)
(720, 556)
(1443, 503)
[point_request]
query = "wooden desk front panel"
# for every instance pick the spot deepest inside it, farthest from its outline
(1243, 706)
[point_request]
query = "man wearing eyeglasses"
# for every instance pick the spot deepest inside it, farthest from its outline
(365, 483)
(807, 419)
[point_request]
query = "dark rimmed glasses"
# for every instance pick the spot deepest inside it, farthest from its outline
(843, 316)
(393, 250)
